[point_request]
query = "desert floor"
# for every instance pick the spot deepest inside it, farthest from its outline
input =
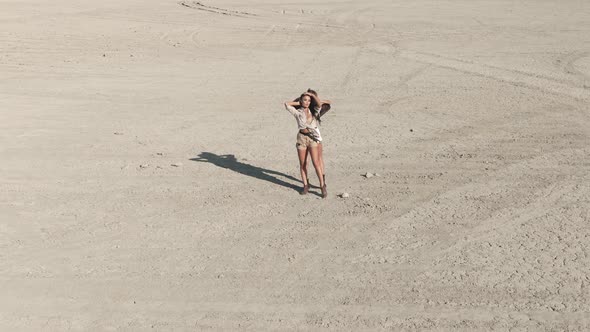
(149, 177)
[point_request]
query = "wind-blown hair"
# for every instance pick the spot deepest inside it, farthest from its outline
(313, 105)
(325, 107)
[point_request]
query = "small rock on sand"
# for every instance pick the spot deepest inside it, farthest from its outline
(344, 195)
(369, 175)
(144, 165)
(176, 164)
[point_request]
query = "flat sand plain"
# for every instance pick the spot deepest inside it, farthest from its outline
(149, 176)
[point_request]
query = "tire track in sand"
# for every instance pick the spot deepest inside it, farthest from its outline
(503, 75)
(567, 64)
(216, 10)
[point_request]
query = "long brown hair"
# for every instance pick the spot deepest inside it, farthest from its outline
(313, 105)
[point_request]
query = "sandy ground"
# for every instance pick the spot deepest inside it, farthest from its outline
(473, 113)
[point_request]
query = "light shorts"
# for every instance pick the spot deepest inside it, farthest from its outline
(304, 141)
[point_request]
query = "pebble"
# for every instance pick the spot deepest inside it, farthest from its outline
(176, 164)
(344, 195)
(369, 175)
(144, 165)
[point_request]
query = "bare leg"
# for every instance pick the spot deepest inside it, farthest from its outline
(316, 164)
(302, 154)
(321, 160)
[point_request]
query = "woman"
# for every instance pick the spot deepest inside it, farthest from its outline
(307, 121)
(325, 107)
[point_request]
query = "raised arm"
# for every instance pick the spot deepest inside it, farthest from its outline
(290, 106)
(317, 100)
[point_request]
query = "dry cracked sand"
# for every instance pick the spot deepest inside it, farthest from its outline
(148, 174)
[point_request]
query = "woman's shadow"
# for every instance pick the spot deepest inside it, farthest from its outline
(230, 162)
